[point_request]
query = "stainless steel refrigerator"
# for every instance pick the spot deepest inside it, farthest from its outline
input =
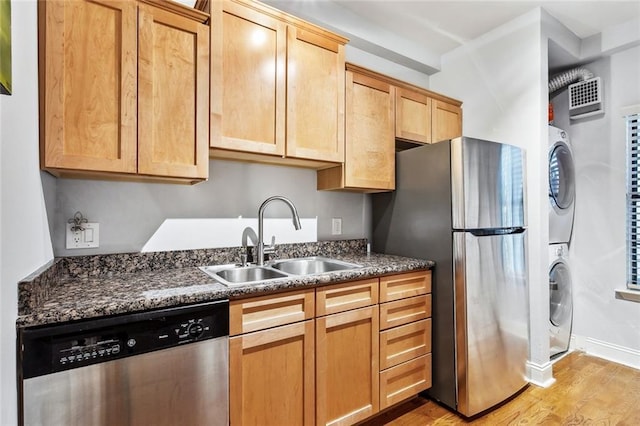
(461, 203)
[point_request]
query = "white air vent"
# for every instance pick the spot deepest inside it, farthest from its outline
(585, 98)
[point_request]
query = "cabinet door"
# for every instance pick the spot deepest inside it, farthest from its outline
(413, 116)
(446, 121)
(88, 83)
(315, 96)
(173, 95)
(248, 79)
(369, 142)
(271, 376)
(347, 366)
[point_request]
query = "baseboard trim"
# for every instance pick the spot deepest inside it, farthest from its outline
(540, 374)
(609, 351)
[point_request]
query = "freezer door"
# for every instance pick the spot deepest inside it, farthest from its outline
(491, 318)
(487, 184)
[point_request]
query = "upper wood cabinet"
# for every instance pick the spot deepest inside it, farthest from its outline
(426, 117)
(315, 95)
(277, 87)
(248, 73)
(446, 121)
(369, 163)
(123, 90)
(173, 86)
(413, 115)
(380, 111)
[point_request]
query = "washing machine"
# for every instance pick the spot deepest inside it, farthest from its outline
(561, 187)
(560, 299)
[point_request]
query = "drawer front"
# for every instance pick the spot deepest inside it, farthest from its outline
(404, 381)
(347, 296)
(259, 313)
(405, 311)
(395, 287)
(404, 343)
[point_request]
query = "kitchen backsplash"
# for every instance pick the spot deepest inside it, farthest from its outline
(129, 213)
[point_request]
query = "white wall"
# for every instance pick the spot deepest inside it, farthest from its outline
(26, 244)
(129, 212)
(603, 325)
(501, 80)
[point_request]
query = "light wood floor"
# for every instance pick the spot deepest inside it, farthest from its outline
(587, 391)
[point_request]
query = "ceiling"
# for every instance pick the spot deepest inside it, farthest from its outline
(417, 33)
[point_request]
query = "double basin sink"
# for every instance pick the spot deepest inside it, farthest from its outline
(232, 275)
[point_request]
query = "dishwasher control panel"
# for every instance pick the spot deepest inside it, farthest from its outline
(58, 348)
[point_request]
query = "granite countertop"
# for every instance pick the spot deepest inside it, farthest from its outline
(58, 293)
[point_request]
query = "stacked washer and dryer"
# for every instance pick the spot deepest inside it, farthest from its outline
(561, 213)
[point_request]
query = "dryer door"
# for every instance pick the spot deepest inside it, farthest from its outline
(561, 176)
(560, 301)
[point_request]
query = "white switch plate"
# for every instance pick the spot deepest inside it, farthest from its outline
(88, 238)
(336, 226)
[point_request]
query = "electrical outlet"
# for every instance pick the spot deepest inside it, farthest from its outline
(336, 226)
(89, 237)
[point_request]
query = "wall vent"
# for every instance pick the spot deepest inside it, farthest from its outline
(585, 98)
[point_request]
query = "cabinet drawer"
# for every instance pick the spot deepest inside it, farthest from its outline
(394, 287)
(405, 380)
(258, 313)
(404, 343)
(343, 297)
(399, 312)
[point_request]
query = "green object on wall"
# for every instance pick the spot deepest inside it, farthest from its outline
(5, 47)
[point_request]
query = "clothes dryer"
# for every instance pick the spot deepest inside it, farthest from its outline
(561, 187)
(560, 299)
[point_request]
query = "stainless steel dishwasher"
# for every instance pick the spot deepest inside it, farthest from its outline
(163, 367)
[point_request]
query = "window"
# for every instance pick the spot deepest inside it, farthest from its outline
(633, 200)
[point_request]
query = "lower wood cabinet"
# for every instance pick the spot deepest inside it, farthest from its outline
(271, 376)
(333, 355)
(347, 366)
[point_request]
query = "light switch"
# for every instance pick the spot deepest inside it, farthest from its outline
(336, 226)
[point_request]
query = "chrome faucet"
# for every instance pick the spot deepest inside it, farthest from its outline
(262, 250)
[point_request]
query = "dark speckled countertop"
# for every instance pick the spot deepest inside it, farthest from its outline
(86, 287)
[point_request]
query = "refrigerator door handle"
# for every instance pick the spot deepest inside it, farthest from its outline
(491, 232)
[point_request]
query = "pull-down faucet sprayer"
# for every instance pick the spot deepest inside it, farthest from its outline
(262, 250)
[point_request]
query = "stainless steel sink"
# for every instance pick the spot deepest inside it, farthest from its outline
(312, 265)
(234, 275)
(231, 275)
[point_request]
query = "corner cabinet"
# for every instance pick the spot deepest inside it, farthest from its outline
(334, 355)
(124, 90)
(369, 163)
(277, 87)
(381, 115)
